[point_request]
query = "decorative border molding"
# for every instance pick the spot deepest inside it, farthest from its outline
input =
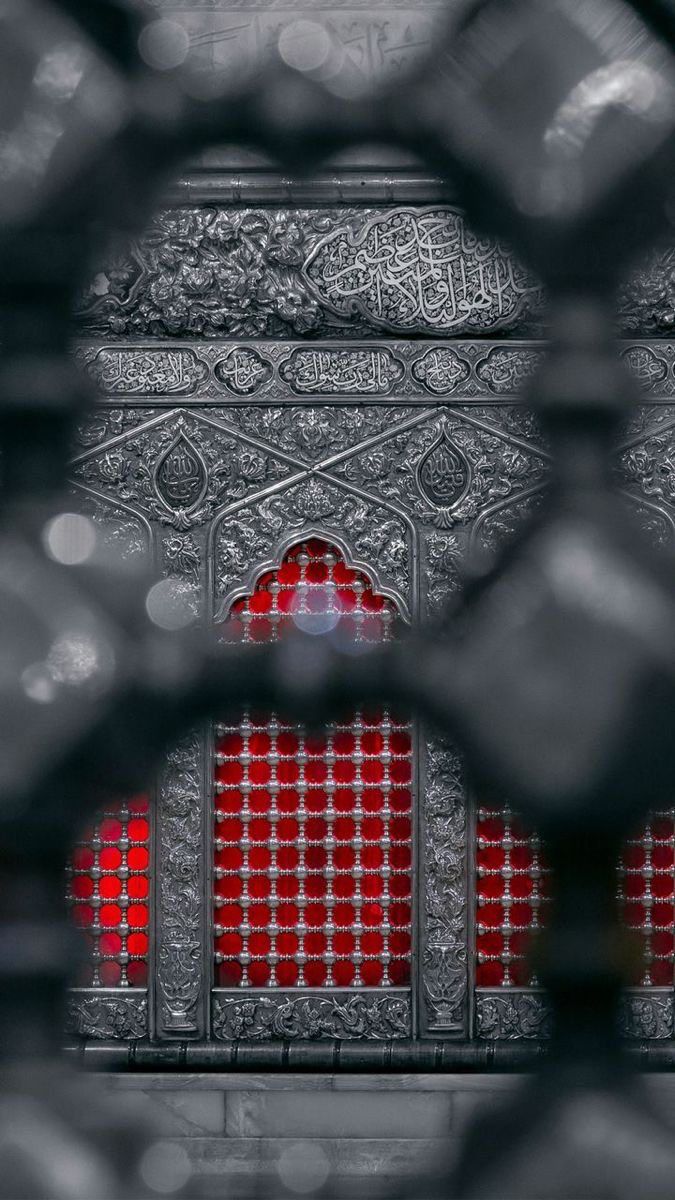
(107, 1015)
(444, 917)
(253, 373)
(308, 1016)
(512, 1014)
(647, 1014)
(180, 903)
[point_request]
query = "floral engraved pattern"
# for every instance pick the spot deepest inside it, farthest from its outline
(211, 272)
(180, 470)
(647, 1016)
(376, 535)
(314, 433)
(647, 300)
(650, 466)
(180, 949)
(421, 271)
(123, 535)
(443, 578)
(123, 1018)
(517, 1015)
(497, 467)
(512, 1016)
(182, 556)
(445, 965)
(345, 1017)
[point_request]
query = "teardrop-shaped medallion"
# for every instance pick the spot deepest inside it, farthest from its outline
(443, 473)
(181, 477)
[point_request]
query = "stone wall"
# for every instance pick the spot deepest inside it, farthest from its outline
(351, 1136)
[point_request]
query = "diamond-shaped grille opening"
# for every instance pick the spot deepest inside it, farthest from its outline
(313, 829)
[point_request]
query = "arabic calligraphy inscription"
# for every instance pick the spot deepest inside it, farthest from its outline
(421, 270)
(243, 371)
(361, 372)
(147, 372)
(180, 475)
(441, 370)
(443, 473)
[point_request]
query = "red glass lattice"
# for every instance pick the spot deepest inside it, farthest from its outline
(108, 893)
(646, 893)
(512, 892)
(313, 830)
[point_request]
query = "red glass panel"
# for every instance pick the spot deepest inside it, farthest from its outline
(108, 886)
(512, 891)
(329, 850)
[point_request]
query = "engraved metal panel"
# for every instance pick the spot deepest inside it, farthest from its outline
(212, 448)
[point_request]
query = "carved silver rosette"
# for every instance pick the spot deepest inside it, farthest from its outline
(309, 1016)
(180, 892)
(444, 934)
(107, 1015)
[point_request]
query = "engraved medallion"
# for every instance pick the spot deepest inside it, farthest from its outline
(243, 371)
(180, 475)
(443, 473)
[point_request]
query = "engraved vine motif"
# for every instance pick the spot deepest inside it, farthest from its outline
(512, 1016)
(122, 1018)
(124, 535)
(375, 534)
(647, 1016)
(211, 272)
(180, 941)
(515, 1015)
(650, 466)
(495, 467)
(261, 1018)
(443, 579)
(445, 963)
(182, 556)
(315, 432)
(104, 423)
(180, 470)
(495, 529)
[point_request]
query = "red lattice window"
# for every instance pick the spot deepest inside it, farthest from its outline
(512, 890)
(313, 830)
(646, 887)
(108, 890)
